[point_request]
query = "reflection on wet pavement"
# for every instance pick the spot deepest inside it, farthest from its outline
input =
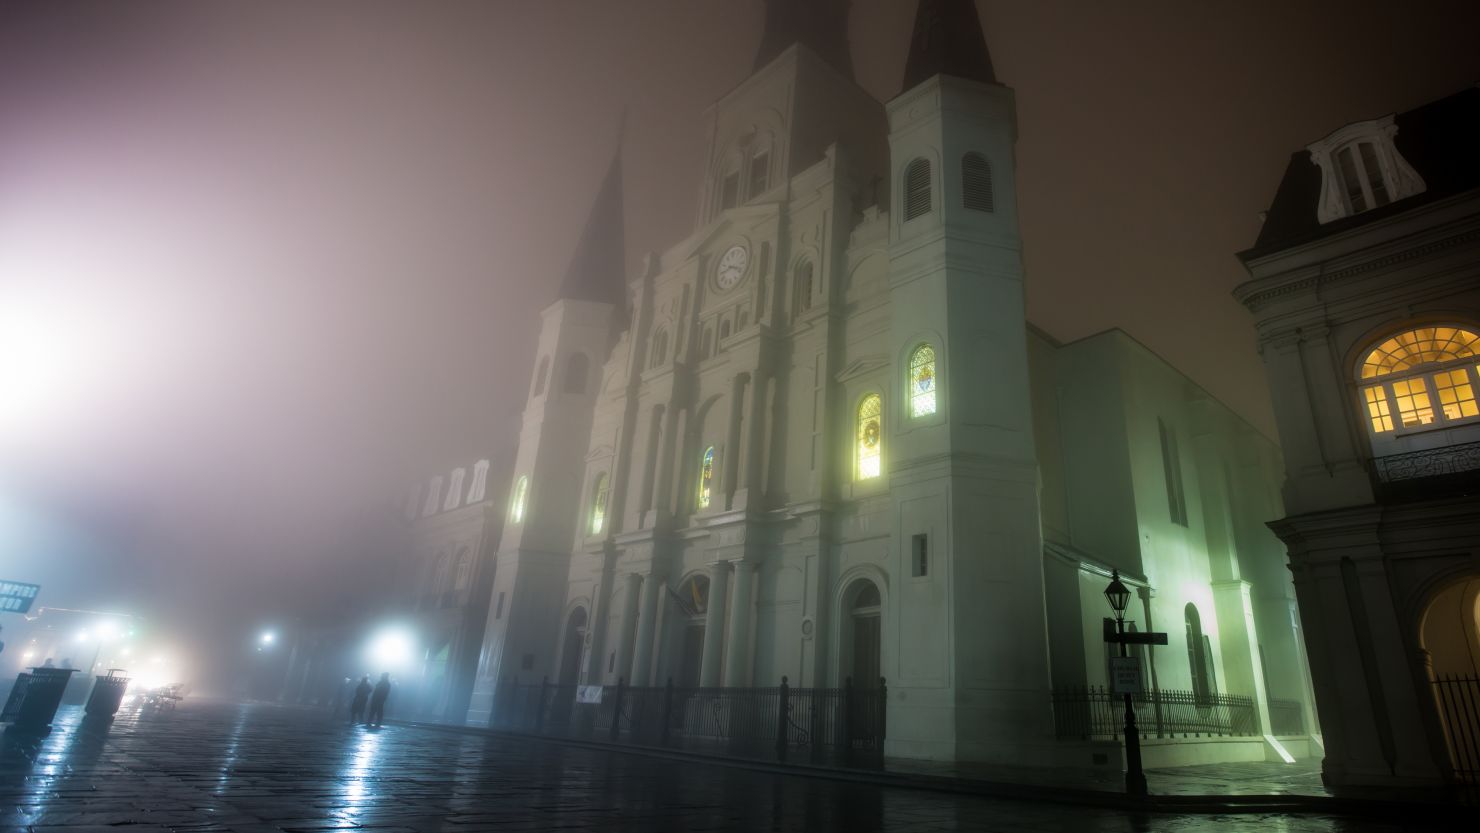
(216, 766)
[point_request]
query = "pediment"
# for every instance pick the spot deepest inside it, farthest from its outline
(863, 366)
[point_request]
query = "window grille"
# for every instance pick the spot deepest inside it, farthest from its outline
(916, 189)
(976, 182)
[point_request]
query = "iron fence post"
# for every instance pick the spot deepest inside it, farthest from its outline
(667, 711)
(614, 731)
(847, 721)
(883, 714)
(781, 721)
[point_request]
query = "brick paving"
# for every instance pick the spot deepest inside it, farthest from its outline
(219, 767)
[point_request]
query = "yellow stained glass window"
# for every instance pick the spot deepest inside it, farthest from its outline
(1377, 409)
(706, 477)
(922, 381)
(598, 504)
(1456, 395)
(1412, 396)
(516, 503)
(1424, 345)
(870, 436)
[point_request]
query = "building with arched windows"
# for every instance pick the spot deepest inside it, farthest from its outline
(819, 441)
(1365, 289)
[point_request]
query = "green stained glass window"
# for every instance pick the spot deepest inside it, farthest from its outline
(870, 436)
(598, 504)
(922, 381)
(706, 477)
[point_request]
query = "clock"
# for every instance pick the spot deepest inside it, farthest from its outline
(731, 267)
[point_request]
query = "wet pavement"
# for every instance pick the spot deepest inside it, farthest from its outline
(217, 766)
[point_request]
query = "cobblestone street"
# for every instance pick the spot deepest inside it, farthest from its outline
(217, 767)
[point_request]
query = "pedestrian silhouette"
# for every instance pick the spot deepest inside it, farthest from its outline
(357, 705)
(48, 663)
(378, 697)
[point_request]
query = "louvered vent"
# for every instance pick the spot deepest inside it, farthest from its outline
(976, 182)
(916, 189)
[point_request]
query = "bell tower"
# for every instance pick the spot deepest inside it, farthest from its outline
(533, 562)
(963, 469)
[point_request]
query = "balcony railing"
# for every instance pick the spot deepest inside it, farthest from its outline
(1093, 712)
(834, 726)
(1434, 470)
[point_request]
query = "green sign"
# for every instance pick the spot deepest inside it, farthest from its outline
(16, 596)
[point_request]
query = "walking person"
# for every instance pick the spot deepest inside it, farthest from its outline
(378, 697)
(357, 705)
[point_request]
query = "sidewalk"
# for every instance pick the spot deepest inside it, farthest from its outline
(1257, 787)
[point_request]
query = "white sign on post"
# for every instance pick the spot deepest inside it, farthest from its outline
(588, 694)
(1125, 675)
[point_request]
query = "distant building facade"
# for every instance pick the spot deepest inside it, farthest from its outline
(818, 439)
(1365, 290)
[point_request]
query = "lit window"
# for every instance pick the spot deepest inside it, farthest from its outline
(870, 436)
(916, 189)
(922, 381)
(1377, 409)
(1415, 367)
(706, 477)
(598, 504)
(516, 502)
(1412, 397)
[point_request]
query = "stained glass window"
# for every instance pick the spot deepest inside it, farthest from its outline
(598, 504)
(516, 502)
(922, 381)
(870, 436)
(1424, 345)
(706, 477)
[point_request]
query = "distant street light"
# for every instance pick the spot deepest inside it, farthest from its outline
(266, 639)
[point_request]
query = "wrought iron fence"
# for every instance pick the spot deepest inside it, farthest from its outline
(1093, 712)
(835, 726)
(1458, 701)
(1286, 718)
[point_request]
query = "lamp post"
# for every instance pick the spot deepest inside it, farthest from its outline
(1135, 779)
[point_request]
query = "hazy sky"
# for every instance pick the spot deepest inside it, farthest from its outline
(258, 259)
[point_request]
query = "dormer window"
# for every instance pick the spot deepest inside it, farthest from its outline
(1421, 379)
(1361, 169)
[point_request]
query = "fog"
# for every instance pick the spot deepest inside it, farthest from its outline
(265, 263)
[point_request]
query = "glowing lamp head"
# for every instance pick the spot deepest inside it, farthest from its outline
(391, 649)
(1117, 594)
(267, 638)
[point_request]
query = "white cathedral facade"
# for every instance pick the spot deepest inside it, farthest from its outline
(818, 439)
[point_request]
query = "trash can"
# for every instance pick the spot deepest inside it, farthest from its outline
(17, 695)
(43, 695)
(107, 694)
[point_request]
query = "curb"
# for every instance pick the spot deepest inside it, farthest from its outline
(1184, 804)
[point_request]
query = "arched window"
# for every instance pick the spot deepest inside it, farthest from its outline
(922, 381)
(599, 492)
(861, 635)
(1197, 655)
(870, 436)
(693, 596)
(541, 374)
(976, 182)
(804, 286)
(577, 367)
(706, 477)
(463, 572)
(454, 490)
(480, 481)
(659, 349)
(516, 501)
(916, 189)
(1407, 375)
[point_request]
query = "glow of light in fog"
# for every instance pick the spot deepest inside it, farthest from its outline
(267, 638)
(390, 649)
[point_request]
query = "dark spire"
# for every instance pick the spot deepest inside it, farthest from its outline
(820, 25)
(948, 40)
(598, 269)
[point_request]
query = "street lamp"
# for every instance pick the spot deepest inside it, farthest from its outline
(266, 640)
(1135, 779)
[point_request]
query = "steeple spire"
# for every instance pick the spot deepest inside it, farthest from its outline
(820, 25)
(598, 268)
(948, 40)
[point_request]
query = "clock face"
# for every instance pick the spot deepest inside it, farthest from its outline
(731, 267)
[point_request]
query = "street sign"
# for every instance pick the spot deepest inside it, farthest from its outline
(1133, 637)
(16, 596)
(588, 694)
(1125, 675)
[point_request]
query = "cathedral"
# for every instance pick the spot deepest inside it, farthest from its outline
(818, 439)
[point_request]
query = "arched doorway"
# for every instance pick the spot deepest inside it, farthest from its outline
(691, 604)
(1449, 633)
(862, 636)
(572, 649)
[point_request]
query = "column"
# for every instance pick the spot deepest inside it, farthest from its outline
(630, 584)
(647, 613)
(1238, 640)
(714, 623)
(737, 652)
(730, 474)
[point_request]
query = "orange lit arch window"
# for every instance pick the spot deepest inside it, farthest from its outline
(1421, 378)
